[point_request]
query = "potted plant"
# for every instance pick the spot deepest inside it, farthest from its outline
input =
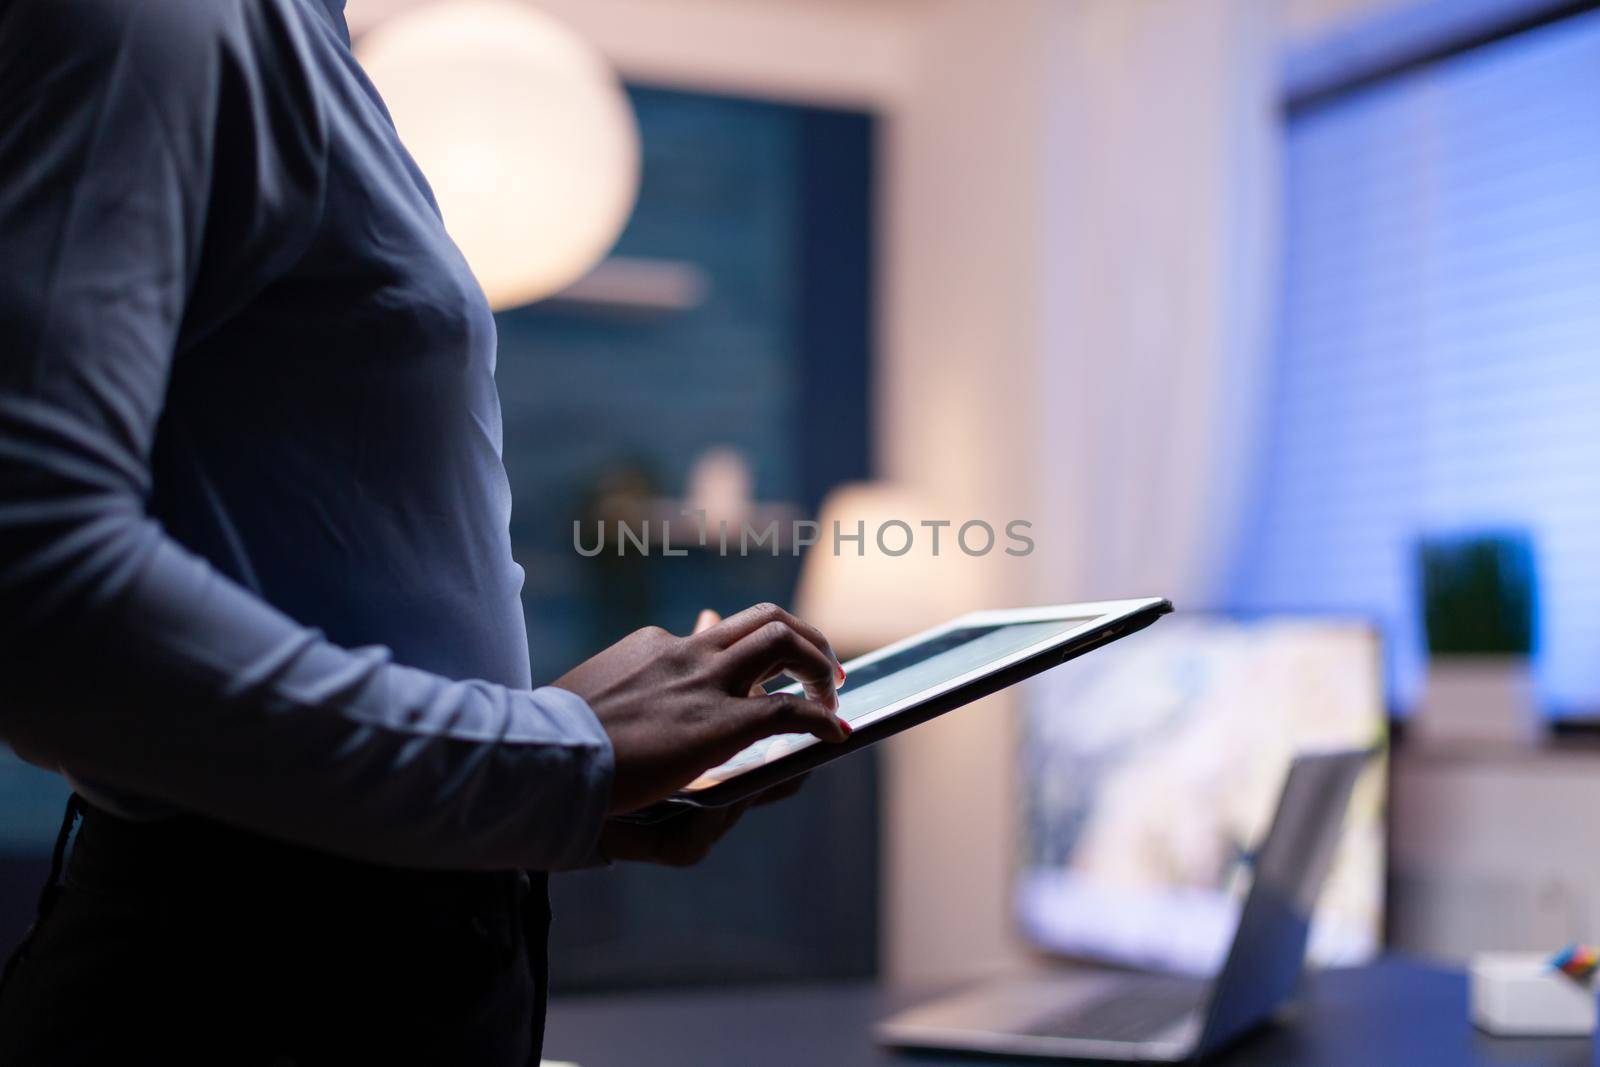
(1479, 600)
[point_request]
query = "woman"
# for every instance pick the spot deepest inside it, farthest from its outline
(257, 598)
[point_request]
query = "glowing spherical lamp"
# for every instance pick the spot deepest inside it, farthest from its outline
(523, 131)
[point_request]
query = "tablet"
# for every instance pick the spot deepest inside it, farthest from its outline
(923, 676)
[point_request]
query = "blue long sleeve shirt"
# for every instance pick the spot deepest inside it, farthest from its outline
(254, 549)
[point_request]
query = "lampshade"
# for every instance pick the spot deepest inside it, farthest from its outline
(523, 131)
(865, 599)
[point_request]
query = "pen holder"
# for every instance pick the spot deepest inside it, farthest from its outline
(1527, 994)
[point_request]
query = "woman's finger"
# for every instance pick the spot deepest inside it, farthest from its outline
(777, 647)
(705, 621)
(790, 713)
(736, 628)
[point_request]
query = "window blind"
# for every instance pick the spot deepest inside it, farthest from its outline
(1438, 353)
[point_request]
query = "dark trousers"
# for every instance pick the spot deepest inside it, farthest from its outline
(188, 942)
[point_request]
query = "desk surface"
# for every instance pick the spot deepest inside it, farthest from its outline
(1391, 1013)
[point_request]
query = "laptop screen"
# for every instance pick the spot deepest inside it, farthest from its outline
(1151, 773)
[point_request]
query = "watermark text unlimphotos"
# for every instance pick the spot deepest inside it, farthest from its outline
(891, 537)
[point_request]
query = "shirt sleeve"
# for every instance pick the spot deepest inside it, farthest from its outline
(126, 660)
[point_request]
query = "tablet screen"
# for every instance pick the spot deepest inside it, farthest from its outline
(879, 688)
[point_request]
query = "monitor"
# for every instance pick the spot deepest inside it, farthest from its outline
(1150, 771)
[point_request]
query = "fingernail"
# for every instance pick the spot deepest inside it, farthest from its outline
(848, 729)
(840, 668)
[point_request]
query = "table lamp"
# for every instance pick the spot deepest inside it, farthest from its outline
(891, 583)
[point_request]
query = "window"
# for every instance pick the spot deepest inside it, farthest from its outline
(1438, 363)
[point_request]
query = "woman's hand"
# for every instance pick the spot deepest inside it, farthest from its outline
(709, 618)
(676, 706)
(686, 839)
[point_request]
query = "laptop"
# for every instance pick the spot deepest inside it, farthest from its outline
(1105, 1014)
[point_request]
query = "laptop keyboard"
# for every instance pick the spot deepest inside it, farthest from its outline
(1138, 1012)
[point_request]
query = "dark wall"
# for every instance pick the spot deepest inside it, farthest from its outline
(774, 204)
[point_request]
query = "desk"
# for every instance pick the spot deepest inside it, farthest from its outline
(1393, 1014)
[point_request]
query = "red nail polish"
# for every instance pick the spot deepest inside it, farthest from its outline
(848, 729)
